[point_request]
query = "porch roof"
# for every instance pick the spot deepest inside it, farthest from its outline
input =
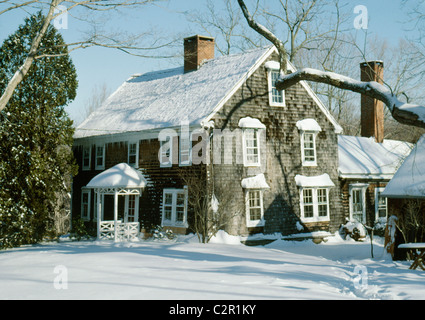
(119, 176)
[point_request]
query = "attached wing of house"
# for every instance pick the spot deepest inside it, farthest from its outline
(409, 180)
(363, 158)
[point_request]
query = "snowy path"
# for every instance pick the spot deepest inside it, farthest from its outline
(188, 270)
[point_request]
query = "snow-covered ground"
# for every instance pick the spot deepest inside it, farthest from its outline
(223, 269)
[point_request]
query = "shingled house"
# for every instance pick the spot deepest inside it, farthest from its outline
(221, 120)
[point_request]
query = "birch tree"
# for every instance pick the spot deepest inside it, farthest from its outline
(130, 45)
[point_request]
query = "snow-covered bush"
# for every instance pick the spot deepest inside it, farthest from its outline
(160, 234)
(353, 229)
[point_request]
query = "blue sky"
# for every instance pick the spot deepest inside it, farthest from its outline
(98, 66)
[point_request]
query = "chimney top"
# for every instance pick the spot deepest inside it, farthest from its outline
(197, 49)
(372, 110)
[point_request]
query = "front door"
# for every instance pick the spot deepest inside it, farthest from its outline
(358, 204)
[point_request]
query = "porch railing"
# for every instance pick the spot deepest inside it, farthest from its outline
(125, 231)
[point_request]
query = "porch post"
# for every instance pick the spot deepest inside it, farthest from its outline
(99, 213)
(115, 215)
(136, 208)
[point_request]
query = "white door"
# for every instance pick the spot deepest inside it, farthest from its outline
(358, 204)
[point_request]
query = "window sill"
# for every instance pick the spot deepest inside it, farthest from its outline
(309, 164)
(255, 223)
(277, 104)
(315, 219)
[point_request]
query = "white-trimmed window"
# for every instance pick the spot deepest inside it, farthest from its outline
(85, 204)
(381, 208)
(100, 157)
(174, 208)
(254, 208)
(308, 145)
(251, 147)
(185, 150)
(276, 97)
(166, 148)
(314, 204)
(86, 157)
(309, 129)
(133, 154)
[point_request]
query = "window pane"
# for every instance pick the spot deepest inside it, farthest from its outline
(180, 199)
(251, 146)
(255, 214)
(308, 196)
(382, 213)
(277, 96)
(308, 203)
(133, 148)
(86, 157)
(323, 210)
(132, 153)
(322, 196)
(308, 211)
(254, 205)
(179, 214)
(357, 205)
(309, 147)
(99, 156)
(254, 199)
(167, 212)
(169, 198)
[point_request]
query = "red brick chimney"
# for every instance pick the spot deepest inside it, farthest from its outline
(197, 49)
(372, 110)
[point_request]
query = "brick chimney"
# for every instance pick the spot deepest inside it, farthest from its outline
(372, 110)
(197, 49)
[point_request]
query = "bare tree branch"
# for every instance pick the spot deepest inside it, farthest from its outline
(267, 34)
(36, 52)
(403, 112)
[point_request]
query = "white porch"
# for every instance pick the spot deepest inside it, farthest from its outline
(120, 181)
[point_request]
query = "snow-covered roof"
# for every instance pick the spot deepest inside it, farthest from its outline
(119, 176)
(364, 158)
(409, 180)
(256, 182)
(314, 181)
(166, 98)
